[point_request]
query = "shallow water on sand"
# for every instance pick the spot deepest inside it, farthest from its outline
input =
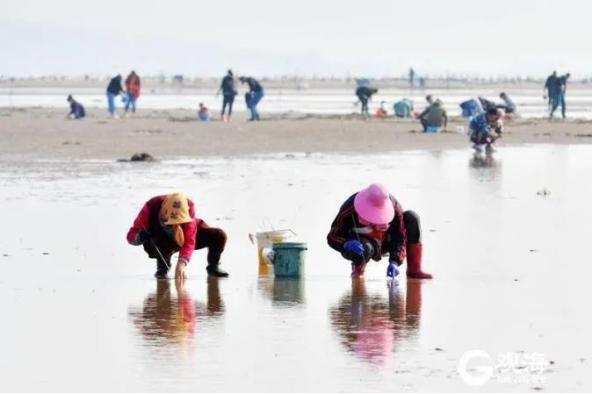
(81, 310)
(311, 101)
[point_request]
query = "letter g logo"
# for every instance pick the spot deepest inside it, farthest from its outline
(475, 376)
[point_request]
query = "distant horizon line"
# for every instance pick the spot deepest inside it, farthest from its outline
(295, 77)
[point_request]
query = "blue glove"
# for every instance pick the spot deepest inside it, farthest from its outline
(354, 246)
(392, 270)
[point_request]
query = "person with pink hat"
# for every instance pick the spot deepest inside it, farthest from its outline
(371, 224)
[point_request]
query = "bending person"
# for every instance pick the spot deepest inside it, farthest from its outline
(371, 224)
(481, 127)
(255, 95)
(167, 224)
(364, 94)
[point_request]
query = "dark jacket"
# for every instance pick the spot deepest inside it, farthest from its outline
(77, 109)
(435, 115)
(114, 86)
(254, 85)
(227, 87)
(551, 84)
(342, 230)
(365, 91)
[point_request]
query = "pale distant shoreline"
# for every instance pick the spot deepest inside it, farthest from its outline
(291, 82)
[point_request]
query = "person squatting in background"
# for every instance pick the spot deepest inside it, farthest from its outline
(167, 224)
(481, 126)
(364, 94)
(255, 95)
(371, 224)
(203, 113)
(381, 112)
(228, 90)
(403, 108)
(76, 109)
(132, 87)
(434, 115)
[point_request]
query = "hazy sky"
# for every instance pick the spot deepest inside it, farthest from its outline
(304, 37)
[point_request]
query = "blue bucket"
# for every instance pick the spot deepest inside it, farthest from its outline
(288, 259)
(432, 129)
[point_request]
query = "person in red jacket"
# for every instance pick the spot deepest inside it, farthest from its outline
(132, 87)
(371, 224)
(167, 224)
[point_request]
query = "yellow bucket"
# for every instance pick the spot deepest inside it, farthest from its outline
(265, 240)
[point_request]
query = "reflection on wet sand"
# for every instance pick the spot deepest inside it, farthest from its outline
(371, 325)
(164, 319)
(282, 291)
(480, 160)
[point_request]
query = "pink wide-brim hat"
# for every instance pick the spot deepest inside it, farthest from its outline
(374, 205)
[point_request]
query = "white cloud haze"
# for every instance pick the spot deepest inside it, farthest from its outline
(305, 37)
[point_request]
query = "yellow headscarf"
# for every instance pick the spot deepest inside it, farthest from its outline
(174, 211)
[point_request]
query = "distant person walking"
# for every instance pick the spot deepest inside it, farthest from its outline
(228, 90)
(256, 93)
(113, 90)
(411, 77)
(559, 95)
(132, 86)
(364, 94)
(76, 109)
(550, 86)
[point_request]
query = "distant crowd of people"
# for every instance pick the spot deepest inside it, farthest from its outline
(432, 118)
(131, 93)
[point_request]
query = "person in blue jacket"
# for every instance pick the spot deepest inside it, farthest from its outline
(482, 128)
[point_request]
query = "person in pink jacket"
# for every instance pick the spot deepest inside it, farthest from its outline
(167, 224)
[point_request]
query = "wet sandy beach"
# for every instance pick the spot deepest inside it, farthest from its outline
(32, 134)
(506, 239)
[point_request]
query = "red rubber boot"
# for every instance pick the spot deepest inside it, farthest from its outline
(358, 271)
(414, 262)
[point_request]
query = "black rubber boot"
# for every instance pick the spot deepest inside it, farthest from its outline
(161, 269)
(214, 270)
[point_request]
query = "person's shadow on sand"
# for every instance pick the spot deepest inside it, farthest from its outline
(371, 326)
(164, 319)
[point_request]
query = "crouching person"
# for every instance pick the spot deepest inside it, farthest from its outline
(482, 127)
(371, 224)
(166, 225)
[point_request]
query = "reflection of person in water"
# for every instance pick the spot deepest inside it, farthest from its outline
(370, 326)
(163, 317)
(480, 160)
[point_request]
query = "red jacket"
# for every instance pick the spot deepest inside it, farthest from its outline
(148, 219)
(132, 85)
